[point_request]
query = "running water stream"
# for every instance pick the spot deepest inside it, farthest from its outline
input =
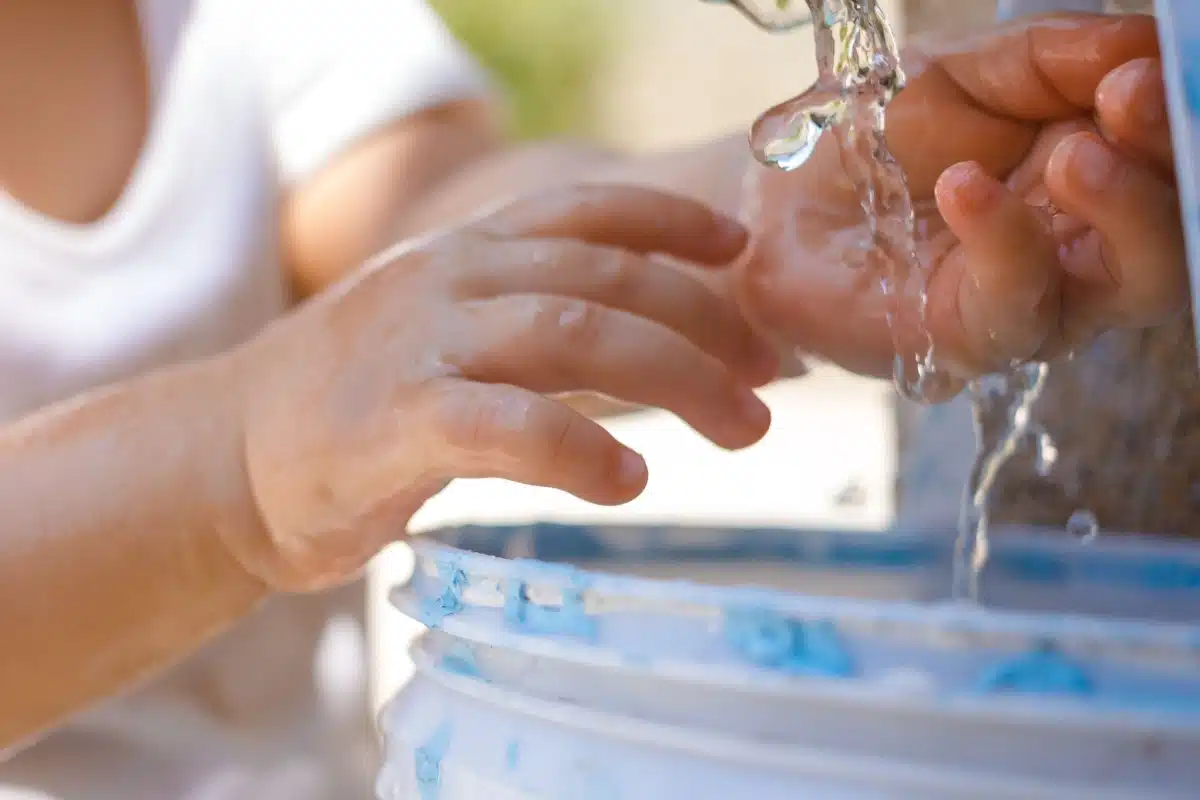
(859, 74)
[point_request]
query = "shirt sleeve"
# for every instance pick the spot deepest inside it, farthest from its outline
(334, 71)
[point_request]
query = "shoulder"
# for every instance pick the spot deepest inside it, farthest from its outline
(331, 71)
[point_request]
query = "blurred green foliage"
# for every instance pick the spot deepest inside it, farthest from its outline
(542, 53)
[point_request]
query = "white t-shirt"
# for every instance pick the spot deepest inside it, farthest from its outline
(249, 96)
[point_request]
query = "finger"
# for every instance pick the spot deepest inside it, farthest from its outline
(497, 431)
(629, 217)
(1141, 256)
(995, 298)
(1049, 67)
(996, 90)
(619, 279)
(1029, 179)
(1131, 104)
(558, 344)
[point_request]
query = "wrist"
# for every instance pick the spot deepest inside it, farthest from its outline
(238, 522)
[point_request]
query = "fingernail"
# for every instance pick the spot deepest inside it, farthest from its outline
(1092, 164)
(632, 469)
(1137, 87)
(974, 190)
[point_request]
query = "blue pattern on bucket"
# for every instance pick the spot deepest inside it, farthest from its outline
(897, 554)
(512, 755)
(901, 551)
(569, 619)
(1043, 671)
(461, 661)
(769, 640)
(559, 543)
(1031, 567)
(427, 762)
(448, 601)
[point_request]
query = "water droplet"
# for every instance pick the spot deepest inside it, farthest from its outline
(786, 136)
(1083, 526)
(1047, 454)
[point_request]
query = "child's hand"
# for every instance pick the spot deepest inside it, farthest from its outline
(1011, 279)
(442, 360)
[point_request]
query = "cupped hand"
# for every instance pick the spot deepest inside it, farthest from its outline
(1039, 160)
(449, 359)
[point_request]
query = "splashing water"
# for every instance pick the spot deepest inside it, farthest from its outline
(1047, 454)
(1018, 392)
(1083, 526)
(860, 73)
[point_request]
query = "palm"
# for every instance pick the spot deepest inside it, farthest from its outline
(813, 277)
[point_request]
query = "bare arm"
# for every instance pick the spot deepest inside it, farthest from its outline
(142, 519)
(435, 169)
(351, 208)
(711, 173)
(115, 508)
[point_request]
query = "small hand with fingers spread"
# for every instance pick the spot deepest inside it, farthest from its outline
(447, 359)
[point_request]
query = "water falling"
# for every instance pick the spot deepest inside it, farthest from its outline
(1047, 454)
(1016, 393)
(859, 74)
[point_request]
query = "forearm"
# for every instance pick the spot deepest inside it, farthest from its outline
(351, 209)
(115, 510)
(712, 173)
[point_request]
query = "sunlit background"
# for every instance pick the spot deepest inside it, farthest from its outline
(632, 73)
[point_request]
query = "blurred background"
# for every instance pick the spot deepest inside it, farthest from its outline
(636, 74)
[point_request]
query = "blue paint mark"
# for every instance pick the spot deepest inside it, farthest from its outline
(1044, 671)
(461, 661)
(892, 555)
(1030, 566)
(449, 600)
(769, 640)
(1171, 576)
(512, 756)
(427, 762)
(569, 619)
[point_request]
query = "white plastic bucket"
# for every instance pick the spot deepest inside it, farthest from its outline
(1079, 677)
